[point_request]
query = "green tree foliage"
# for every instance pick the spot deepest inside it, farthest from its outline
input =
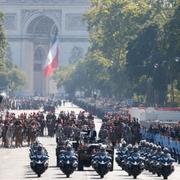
(134, 47)
(2, 44)
(172, 49)
(10, 76)
(4, 81)
(17, 79)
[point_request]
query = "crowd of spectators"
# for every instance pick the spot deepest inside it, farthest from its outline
(170, 130)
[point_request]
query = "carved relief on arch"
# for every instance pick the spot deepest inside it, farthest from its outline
(27, 16)
(75, 54)
(10, 21)
(75, 22)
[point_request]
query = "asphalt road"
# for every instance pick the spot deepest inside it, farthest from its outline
(14, 163)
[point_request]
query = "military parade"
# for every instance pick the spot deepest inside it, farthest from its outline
(89, 89)
(81, 143)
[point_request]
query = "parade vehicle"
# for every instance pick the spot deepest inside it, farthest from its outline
(87, 151)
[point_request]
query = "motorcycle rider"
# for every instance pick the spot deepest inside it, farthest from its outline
(102, 151)
(42, 150)
(166, 159)
(135, 160)
(136, 153)
(34, 148)
(130, 149)
(98, 157)
(122, 147)
(121, 153)
(158, 152)
(68, 156)
(69, 150)
(167, 155)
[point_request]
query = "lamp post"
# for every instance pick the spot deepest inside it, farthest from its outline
(169, 66)
(171, 76)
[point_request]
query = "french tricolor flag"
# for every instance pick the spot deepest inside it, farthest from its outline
(52, 58)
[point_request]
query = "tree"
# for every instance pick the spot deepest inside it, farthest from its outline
(17, 79)
(3, 45)
(4, 81)
(10, 76)
(172, 48)
(129, 41)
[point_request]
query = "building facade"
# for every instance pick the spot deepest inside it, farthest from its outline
(30, 25)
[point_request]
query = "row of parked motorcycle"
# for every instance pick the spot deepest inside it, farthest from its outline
(145, 156)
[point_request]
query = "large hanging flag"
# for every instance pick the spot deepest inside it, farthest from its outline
(52, 58)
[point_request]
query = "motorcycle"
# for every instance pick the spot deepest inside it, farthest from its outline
(120, 157)
(101, 164)
(166, 167)
(39, 163)
(68, 163)
(135, 166)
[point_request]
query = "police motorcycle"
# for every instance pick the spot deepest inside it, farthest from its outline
(101, 162)
(39, 159)
(121, 153)
(152, 159)
(147, 154)
(125, 161)
(135, 163)
(68, 161)
(165, 166)
(155, 160)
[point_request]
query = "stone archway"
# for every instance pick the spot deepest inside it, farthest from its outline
(40, 30)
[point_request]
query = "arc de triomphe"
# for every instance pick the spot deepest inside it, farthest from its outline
(29, 26)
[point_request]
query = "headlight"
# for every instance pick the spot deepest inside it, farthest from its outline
(109, 164)
(75, 164)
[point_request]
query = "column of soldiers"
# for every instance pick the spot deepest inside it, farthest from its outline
(27, 103)
(69, 127)
(118, 126)
(16, 131)
(24, 129)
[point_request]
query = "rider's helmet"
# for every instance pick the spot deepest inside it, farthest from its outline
(39, 148)
(68, 142)
(165, 150)
(135, 148)
(147, 144)
(159, 149)
(142, 143)
(124, 144)
(154, 147)
(130, 147)
(102, 149)
(68, 147)
(151, 145)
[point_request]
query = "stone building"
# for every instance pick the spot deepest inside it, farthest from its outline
(29, 26)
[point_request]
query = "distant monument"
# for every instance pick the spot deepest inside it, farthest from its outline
(29, 25)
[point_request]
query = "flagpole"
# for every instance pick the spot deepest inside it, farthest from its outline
(48, 85)
(52, 61)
